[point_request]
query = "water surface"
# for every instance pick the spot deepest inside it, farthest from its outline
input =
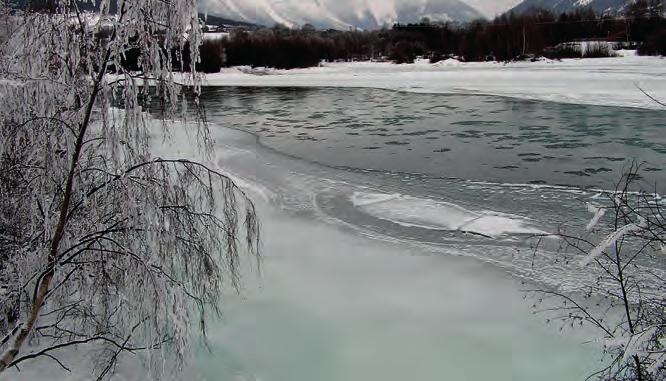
(485, 138)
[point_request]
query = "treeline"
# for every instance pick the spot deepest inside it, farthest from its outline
(508, 37)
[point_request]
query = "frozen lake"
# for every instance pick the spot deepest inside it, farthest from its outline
(407, 261)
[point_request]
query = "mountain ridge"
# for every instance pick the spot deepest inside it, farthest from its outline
(336, 14)
(348, 13)
(565, 6)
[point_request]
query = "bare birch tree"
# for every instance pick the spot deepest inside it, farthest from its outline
(624, 245)
(101, 243)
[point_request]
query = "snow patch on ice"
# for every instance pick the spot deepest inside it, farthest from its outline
(439, 215)
(495, 225)
(365, 199)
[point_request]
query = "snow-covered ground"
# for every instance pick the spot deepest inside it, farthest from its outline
(214, 36)
(602, 81)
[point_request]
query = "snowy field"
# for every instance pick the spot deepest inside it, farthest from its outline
(602, 81)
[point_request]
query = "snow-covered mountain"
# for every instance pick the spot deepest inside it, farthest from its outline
(560, 6)
(341, 14)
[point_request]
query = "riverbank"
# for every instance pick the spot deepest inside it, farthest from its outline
(592, 81)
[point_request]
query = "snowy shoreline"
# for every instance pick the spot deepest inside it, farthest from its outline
(593, 81)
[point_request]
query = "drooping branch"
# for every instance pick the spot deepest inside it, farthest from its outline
(101, 234)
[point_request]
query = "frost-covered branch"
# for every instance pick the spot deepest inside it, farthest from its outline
(96, 234)
(622, 247)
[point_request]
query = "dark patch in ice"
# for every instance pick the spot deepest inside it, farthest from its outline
(396, 143)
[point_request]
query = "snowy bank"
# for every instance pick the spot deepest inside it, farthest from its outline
(602, 81)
